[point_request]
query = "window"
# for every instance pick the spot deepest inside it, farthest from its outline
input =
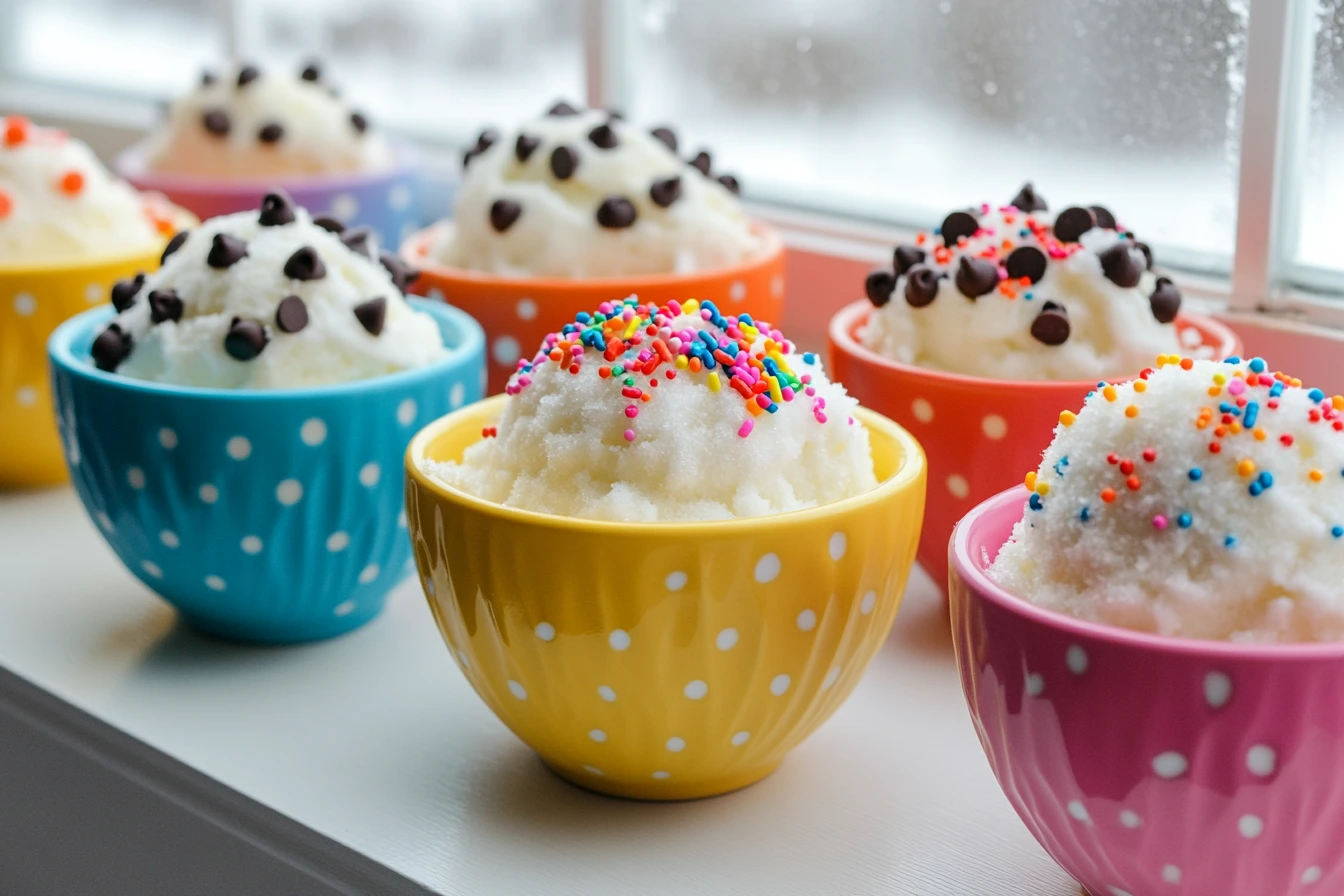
(1321, 179)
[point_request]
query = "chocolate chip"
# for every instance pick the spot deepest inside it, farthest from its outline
(270, 133)
(603, 137)
(1051, 326)
(125, 291)
(666, 191)
(469, 155)
(1026, 261)
(907, 257)
(958, 225)
(245, 339)
(616, 212)
(562, 109)
(305, 264)
(486, 139)
(356, 239)
(563, 162)
(359, 121)
(173, 245)
(311, 72)
(666, 136)
(277, 209)
(1104, 217)
(1028, 200)
(976, 276)
(372, 314)
(164, 304)
(1073, 222)
(403, 275)
(329, 224)
(216, 121)
(1147, 255)
(615, 115)
(702, 162)
(879, 286)
(1165, 300)
(525, 146)
(1122, 264)
(247, 75)
(208, 77)
(291, 315)
(111, 347)
(503, 213)
(921, 285)
(731, 183)
(225, 251)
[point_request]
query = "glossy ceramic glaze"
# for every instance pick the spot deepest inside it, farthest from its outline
(269, 516)
(518, 312)
(34, 300)
(1149, 765)
(981, 435)
(663, 661)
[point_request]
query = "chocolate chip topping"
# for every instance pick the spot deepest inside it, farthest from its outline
(311, 72)
(216, 121)
(125, 291)
(503, 212)
(702, 162)
(906, 257)
(1165, 300)
(1147, 255)
(976, 276)
(616, 212)
(525, 146)
(247, 75)
(1026, 261)
(356, 239)
(1051, 326)
(603, 137)
(486, 139)
(403, 275)
(305, 264)
(921, 285)
(879, 286)
(208, 77)
(173, 245)
(1122, 264)
(225, 251)
(245, 339)
(730, 182)
(666, 191)
(372, 314)
(1073, 222)
(958, 225)
(561, 109)
(164, 304)
(329, 224)
(359, 122)
(1028, 200)
(271, 133)
(111, 347)
(563, 162)
(277, 209)
(666, 136)
(1104, 217)
(291, 315)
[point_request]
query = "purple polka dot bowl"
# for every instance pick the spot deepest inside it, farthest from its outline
(267, 516)
(1150, 765)
(388, 201)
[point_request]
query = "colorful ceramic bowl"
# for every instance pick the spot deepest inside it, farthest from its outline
(388, 201)
(1148, 765)
(663, 661)
(518, 312)
(34, 300)
(981, 435)
(271, 516)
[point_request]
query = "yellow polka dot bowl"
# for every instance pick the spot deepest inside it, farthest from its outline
(663, 661)
(34, 299)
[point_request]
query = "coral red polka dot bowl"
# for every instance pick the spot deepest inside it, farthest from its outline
(1145, 764)
(981, 435)
(518, 312)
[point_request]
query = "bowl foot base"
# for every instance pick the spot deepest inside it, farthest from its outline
(668, 790)
(275, 635)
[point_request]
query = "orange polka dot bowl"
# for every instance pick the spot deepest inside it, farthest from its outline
(981, 435)
(1147, 764)
(518, 312)
(663, 661)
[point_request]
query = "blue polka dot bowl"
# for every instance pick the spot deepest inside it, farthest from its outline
(267, 516)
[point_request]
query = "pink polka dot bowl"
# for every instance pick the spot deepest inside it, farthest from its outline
(518, 312)
(981, 435)
(663, 661)
(1149, 765)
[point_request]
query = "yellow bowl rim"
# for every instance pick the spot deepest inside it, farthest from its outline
(76, 264)
(902, 480)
